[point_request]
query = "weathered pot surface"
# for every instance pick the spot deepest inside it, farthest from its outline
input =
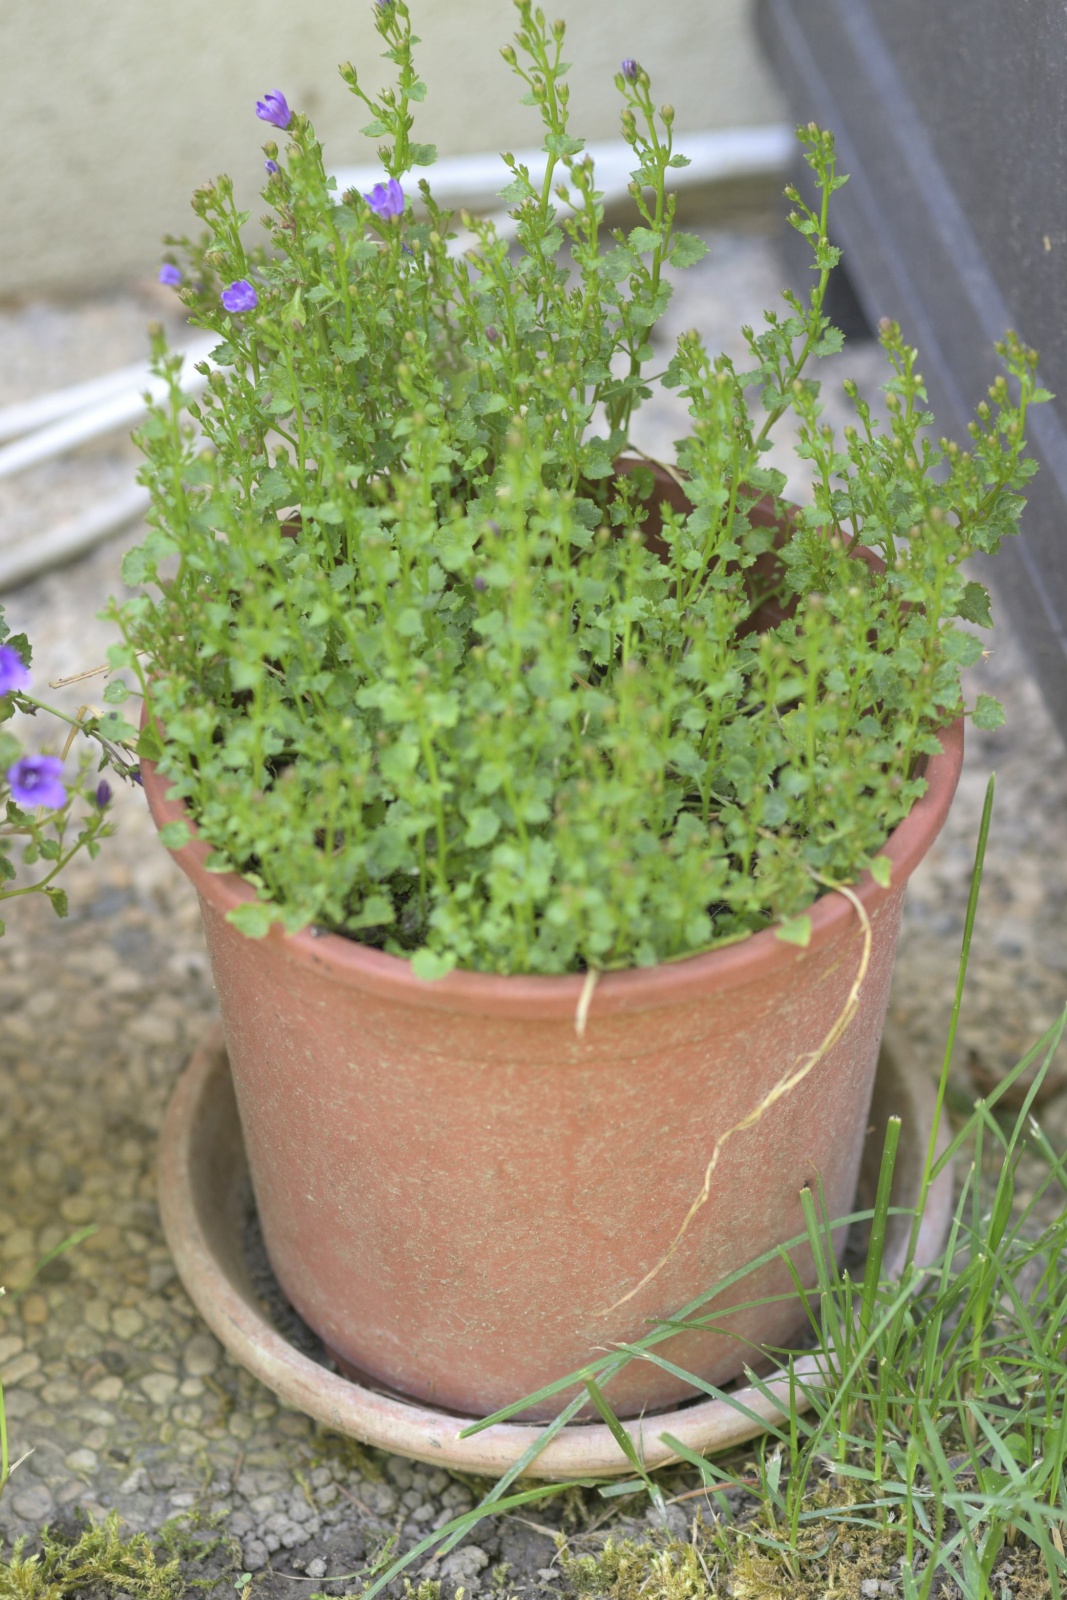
(203, 1196)
(456, 1190)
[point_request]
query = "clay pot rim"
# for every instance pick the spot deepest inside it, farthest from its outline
(549, 996)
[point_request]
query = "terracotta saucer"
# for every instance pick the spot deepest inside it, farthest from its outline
(204, 1195)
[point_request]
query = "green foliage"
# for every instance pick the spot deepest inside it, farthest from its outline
(98, 1560)
(424, 677)
(625, 1570)
(48, 838)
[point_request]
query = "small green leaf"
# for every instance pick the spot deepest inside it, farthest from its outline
(687, 250)
(987, 713)
(830, 343)
(113, 725)
(794, 930)
(175, 835)
(149, 745)
(882, 871)
(483, 824)
(974, 605)
(376, 909)
(597, 460)
(292, 312)
(429, 966)
(561, 144)
(116, 692)
(253, 919)
(58, 898)
(643, 240)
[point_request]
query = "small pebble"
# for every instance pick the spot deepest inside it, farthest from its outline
(126, 1322)
(33, 1505)
(201, 1355)
(160, 1387)
(35, 1310)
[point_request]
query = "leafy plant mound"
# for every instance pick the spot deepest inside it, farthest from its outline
(424, 676)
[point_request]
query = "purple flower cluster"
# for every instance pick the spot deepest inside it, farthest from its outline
(35, 781)
(240, 297)
(386, 199)
(274, 108)
(14, 673)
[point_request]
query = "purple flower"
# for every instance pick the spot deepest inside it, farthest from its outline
(386, 199)
(170, 275)
(480, 583)
(102, 797)
(273, 108)
(35, 781)
(240, 296)
(14, 673)
(630, 69)
(271, 167)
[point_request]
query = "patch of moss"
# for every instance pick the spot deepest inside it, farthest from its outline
(361, 1460)
(97, 1559)
(626, 1569)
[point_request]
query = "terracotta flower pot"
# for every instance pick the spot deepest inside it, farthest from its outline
(455, 1188)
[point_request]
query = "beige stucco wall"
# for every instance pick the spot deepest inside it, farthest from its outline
(115, 109)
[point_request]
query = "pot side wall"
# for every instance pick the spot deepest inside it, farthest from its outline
(452, 1200)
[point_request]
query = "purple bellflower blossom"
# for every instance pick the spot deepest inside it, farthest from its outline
(270, 168)
(630, 69)
(386, 199)
(170, 275)
(102, 795)
(14, 673)
(274, 108)
(240, 296)
(35, 781)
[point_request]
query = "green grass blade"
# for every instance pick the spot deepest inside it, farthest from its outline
(950, 1042)
(622, 1439)
(462, 1525)
(872, 1271)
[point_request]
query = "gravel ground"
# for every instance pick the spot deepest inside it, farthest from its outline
(125, 1399)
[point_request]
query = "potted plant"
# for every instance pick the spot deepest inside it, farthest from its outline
(550, 808)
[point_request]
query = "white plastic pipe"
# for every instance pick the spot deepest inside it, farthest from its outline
(715, 156)
(71, 538)
(27, 415)
(122, 407)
